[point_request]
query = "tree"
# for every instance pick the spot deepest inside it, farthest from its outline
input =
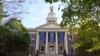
(88, 38)
(1, 13)
(86, 15)
(13, 35)
(20, 37)
(13, 8)
(53, 1)
(4, 34)
(78, 12)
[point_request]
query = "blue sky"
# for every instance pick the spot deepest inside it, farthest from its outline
(38, 12)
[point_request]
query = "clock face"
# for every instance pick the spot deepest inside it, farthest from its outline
(51, 15)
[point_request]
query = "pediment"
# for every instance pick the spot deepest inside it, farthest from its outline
(49, 26)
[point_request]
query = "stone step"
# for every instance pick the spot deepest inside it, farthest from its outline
(50, 55)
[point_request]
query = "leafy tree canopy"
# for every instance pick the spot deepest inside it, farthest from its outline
(89, 33)
(20, 33)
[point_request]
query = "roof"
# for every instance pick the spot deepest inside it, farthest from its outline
(49, 25)
(31, 29)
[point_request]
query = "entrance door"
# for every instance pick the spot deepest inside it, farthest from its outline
(51, 50)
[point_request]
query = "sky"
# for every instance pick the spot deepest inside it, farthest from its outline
(38, 11)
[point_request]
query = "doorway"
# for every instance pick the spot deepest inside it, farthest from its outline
(51, 50)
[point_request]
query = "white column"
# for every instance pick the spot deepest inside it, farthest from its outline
(66, 42)
(37, 42)
(46, 51)
(56, 43)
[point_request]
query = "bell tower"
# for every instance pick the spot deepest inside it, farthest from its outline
(51, 16)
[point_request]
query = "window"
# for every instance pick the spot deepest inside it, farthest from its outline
(42, 48)
(42, 36)
(61, 36)
(60, 48)
(51, 37)
(32, 37)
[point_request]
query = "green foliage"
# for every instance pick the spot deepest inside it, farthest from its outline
(53, 1)
(78, 12)
(4, 36)
(88, 38)
(20, 34)
(13, 34)
(1, 12)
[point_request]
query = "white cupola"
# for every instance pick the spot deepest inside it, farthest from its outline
(51, 16)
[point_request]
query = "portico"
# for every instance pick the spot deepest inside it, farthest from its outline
(51, 41)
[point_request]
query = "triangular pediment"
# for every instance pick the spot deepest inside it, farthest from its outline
(50, 26)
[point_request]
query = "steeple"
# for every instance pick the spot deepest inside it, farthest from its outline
(51, 16)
